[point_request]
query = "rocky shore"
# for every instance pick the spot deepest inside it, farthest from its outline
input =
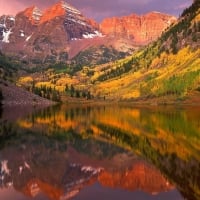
(13, 95)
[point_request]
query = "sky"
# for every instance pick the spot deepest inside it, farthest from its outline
(100, 9)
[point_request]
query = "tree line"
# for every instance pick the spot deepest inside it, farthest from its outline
(52, 94)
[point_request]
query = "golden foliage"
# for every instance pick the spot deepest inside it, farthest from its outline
(163, 67)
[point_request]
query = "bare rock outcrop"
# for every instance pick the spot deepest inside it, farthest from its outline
(142, 29)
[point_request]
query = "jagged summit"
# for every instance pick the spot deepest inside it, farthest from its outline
(140, 28)
(54, 11)
(61, 8)
(61, 31)
(156, 13)
(69, 7)
(75, 24)
(33, 13)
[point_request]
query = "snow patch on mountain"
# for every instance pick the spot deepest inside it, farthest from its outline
(22, 34)
(11, 18)
(4, 167)
(23, 167)
(98, 34)
(28, 38)
(92, 35)
(6, 24)
(6, 35)
(91, 169)
(37, 14)
(69, 8)
(75, 39)
(76, 21)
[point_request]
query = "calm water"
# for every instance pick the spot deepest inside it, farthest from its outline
(101, 153)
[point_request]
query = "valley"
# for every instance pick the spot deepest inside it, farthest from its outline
(162, 66)
(105, 109)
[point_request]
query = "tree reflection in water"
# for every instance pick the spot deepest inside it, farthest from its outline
(63, 149)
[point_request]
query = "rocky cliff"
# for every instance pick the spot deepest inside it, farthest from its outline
(141, 176)
(141, 29)
(36, 169)
(50, 36)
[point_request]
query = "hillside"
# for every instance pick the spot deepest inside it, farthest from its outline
(13, 95)
(165, 71)
(141, 29)
(168, 69)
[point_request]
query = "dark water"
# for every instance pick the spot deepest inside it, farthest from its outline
(104, 152)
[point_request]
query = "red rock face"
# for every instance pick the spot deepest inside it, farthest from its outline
(33, 14)
(51, 13)
(140, 176)
(93, 23)
(41, 167)
(61, 32)
(45, 37)
(59, 24)
(25, 24)
(141, 29)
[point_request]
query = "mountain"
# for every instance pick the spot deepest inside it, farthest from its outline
(166, 71)
(140, 176)
(6, 25)
(59, 171)
(45, 37)
(75, 24)
(62, 32)
(142, 29)
(32, 14)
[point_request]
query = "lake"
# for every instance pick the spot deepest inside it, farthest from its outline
(100, 152)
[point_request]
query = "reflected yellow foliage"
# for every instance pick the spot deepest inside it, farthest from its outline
(25, 124)
(57, 120)
(168, 130)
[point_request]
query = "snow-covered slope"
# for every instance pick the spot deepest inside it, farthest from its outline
(75, 24)
(6, 25)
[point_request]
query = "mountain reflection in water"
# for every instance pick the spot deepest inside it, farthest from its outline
(79, 152)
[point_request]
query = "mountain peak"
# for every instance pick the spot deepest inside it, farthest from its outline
(33, 13)
(61, 8)
(68, 7)
(54, 11)
(160, 14)
(141, 29)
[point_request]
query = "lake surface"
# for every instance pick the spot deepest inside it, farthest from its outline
(100, 152)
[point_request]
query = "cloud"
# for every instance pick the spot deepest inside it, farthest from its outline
(7, 8)
(98, 10)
